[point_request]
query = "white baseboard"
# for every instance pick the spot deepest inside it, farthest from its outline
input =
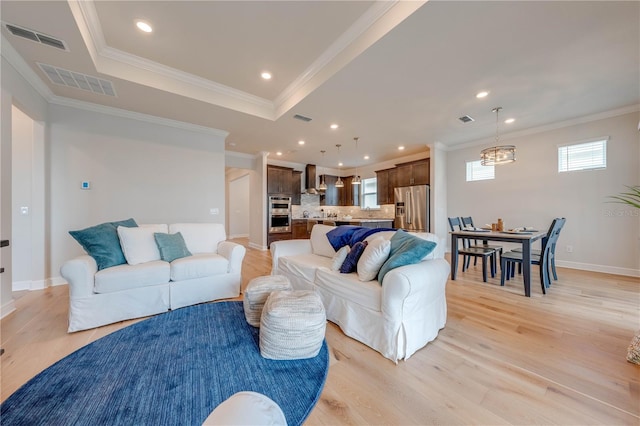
(37, 285)
(257, 246)
(54, 281)
(7, 308)
(599, 268)
(238, 236)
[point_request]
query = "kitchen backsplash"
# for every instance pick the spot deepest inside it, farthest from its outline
(311, 204)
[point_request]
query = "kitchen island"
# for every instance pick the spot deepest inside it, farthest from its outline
(367, 223)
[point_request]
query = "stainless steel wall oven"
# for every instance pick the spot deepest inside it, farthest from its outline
(279, 214)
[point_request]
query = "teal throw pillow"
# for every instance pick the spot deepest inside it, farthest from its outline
(171, 246)
(406, 249)
(350, 263)
(102, 243)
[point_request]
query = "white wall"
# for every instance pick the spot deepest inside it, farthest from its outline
(150, 172)
(14, 91)
(531, 192)
(238, 195)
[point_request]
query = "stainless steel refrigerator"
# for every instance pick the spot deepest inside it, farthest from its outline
(412, 208)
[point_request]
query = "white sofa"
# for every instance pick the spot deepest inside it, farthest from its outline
(396, 318)
(122, 292)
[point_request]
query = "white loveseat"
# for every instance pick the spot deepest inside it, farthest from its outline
(122, 292)
(396, 318)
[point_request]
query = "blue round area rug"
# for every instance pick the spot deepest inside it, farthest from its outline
(172, 369)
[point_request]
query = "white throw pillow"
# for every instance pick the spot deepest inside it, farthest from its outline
(373, 258)
(339, 257)
(138, 244)
(320, 244)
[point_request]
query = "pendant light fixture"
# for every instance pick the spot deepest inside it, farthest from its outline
(339, 182)
(498, 154)
(356, 180)
(323, 185)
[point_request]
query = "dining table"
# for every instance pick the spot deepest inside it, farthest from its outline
(524, 238)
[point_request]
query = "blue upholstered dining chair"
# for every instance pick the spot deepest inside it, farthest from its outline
(510, 258)
(477, 251)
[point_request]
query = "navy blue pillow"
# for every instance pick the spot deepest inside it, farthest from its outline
(406, 249)
(351, 262)
(102, 243)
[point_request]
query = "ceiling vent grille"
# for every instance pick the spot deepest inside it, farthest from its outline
(36, 36)
(77, 80)
(301, 118)
(466, 119)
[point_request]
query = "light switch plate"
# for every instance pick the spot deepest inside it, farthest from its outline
(24, 210)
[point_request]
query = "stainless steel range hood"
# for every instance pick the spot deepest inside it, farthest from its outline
(310, 179)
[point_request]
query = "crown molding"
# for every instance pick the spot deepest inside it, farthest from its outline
(122, 113)
(21, 66)
(376, 22)
(549, 127)
(129, 67)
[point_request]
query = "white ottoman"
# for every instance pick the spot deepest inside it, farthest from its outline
(256, 293)
(293, 325)
(247, 408)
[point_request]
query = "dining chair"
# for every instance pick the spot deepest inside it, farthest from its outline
(552, 257)
(478, 251)
(468, 221)
(510, 258)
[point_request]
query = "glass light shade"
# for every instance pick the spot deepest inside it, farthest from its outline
(322, 186)
(356, 180)
(498, 155)
(339, 183)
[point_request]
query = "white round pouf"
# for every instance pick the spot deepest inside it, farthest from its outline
(247, 408)
(257, 292)
(293, 325)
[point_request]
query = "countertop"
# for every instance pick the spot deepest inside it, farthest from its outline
(353, 219)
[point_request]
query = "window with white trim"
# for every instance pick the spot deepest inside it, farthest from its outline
(476, 171)
(583, 156)
(370, 193)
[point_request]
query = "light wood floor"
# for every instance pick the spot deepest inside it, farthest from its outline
(501, 359)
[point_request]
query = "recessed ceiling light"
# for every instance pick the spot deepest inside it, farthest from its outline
(334, 126)
(340, 164)
(266, 75)
(509, 120)
(143, 26)
(482, 95)
(401, 147)
(366, 157)
(300, 142)
(279, 153)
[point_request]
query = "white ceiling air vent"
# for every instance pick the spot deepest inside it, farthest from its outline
(301, 118)
(86, 82)
(36, 36)
(466, 119)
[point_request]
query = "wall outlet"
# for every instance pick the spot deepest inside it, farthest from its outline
(214, 211)
(24, 210)
(569, 249)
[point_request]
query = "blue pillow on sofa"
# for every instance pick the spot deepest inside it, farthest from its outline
(171, 246)
(406, 249)
(351, 261)
(102, 243)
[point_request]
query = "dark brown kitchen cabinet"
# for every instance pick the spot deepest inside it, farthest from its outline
(279, 180)
(299, 229)
(330, 197)
(386, 180)
(413, 173)
(296, 187)
(349, 194)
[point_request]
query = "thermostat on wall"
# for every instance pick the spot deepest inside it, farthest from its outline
(86, 184)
